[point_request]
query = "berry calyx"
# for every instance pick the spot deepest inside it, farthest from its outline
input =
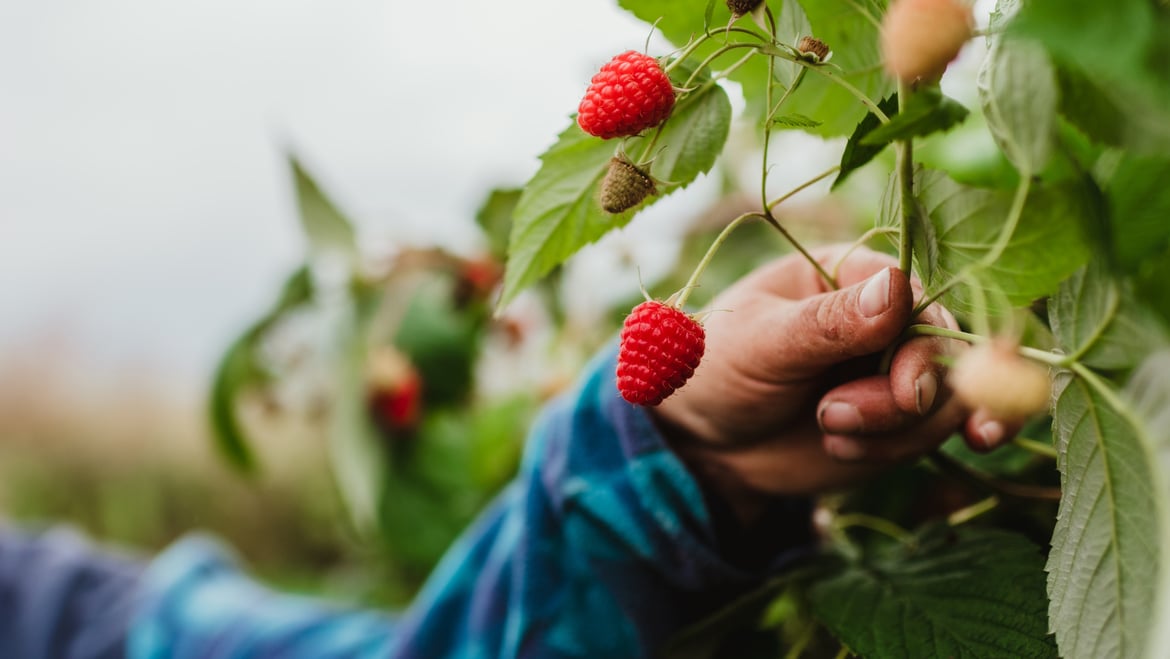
(629, 94)
(740, 7)
(625, 185)
(920, 37)
(993, 376)
(813, 49)
(660, 348)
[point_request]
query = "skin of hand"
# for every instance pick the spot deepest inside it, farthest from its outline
(788, 398)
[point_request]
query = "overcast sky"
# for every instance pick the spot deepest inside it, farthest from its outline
(144, 201)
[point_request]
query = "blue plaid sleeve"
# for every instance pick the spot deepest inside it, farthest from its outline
(604, 545)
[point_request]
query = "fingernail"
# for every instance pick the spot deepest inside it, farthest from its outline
(991, 433)
(925, 388)
(840, 417)
(845, 449)
(875, 297)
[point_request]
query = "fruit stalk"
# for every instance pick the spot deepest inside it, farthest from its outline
(906, 188)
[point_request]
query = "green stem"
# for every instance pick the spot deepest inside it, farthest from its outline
(722, 50)
(906, 188)
(687, 52)
(964, 515)
(829, 279)
(806, 637)
(1049, 358)
(877, 524)
(980, 480)
(812, 181)
(820, 70)
(865, 238)
(843, 653)
(694, 279)
(1036, 448)
(841, 82)
(773, 109)
(997, 249)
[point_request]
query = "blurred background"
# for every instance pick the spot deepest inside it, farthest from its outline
(150, 215)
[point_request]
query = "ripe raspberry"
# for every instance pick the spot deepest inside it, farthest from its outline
(628, 95)
(660, 348)
(624, 186)
(920, 37)
(994, 377)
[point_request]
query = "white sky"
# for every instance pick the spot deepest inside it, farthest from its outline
(143, 197)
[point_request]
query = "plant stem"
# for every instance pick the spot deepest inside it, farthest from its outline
(806, 637)
(865, 237)
(964, 515)
(1049, 358)
(787, 195)
(768, 126)
(687, 52)
(722, 50)
(843, 653)
(984, 481)
(818, 69)
(829, 279)
(906, 188)
(698, 272)
(1036, 448)
(878, 524)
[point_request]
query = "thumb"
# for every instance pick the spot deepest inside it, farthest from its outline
(815, 333)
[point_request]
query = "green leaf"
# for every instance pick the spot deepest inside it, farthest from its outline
(850, 29)
(495, 218)
(1046, 247)
(927, 111)
(966, 592)
(1139, 207)
(558, 212)
(1106, 568)
(1097, 320)
(326, 227)
(794, 121)
(356, 453)
(1019, 94)
(1148, 392)
(239, 369)
(857, 153)
(1111, 114)
(1119, 51)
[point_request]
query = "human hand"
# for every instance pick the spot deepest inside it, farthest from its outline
(788, 398)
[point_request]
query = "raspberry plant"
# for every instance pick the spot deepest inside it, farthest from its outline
(1056, 260)
(1053, 256)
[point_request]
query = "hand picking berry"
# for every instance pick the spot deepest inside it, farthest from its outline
(625, 185)
(629, 94)
(660, 348)
(920, 37)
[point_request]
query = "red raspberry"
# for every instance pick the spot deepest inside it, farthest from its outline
(660, 348)
(628, 95)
